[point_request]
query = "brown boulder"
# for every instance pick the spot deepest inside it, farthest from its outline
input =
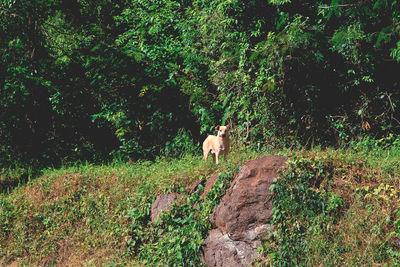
(243, 215)
(220, 250)
(209, 184)
(162, 203)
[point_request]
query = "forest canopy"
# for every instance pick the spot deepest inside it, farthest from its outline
(92, 80)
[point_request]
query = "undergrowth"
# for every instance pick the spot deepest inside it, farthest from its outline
(176, 238)
(337, 207)
(301, 207)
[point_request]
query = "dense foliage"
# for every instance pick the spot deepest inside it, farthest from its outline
(95, 79)
(333, 210)
(302, 209)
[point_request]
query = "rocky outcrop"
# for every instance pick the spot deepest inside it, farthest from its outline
(243, 215)
(162, 203)
(209, 184)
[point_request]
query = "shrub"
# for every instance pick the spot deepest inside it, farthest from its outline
(301, 209)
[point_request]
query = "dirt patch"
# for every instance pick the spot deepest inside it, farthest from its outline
(65, 184)
(60, 187)
(98, 257)
(104, 185)
(13, 264)
(34, 193)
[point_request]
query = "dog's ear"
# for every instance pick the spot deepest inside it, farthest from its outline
(217, 128)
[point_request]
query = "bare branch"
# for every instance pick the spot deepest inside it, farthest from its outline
(328, 7)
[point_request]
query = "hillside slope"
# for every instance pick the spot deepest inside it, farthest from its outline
(330, 206)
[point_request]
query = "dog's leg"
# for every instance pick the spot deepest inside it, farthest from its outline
(205, 154)
(216, 158)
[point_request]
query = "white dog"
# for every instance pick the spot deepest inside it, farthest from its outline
(217, 145)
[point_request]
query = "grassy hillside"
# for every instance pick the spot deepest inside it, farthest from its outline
(338, 207)
(99, 215)
(84, 213)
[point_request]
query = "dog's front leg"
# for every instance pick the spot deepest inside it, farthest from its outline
(216, 158)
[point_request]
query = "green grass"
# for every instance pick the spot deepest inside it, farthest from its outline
(99, 214)
(81, 214)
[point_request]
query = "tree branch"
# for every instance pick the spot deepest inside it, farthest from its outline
(328, 7)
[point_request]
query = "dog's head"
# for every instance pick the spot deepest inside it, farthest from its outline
(223, 131)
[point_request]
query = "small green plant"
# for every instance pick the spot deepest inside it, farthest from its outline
(176, 238)
(139, 217)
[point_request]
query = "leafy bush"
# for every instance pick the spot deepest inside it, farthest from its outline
(301, 209)
(175, 239)
(181, 144)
